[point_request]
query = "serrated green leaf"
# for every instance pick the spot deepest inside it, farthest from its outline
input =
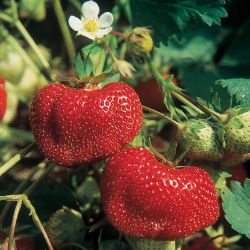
(168, 18)
(236, 203)
(84, 65)
(238, 87)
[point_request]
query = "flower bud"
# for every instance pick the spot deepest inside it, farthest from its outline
(140, 42)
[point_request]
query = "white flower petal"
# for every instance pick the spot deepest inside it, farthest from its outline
(105, 20)
(75, 23)
(102, 32)
(86, 34)
(90, 10)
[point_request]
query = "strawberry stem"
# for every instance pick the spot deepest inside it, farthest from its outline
(161, 82)
(19, 188)
(13, 224)
(65, 31)
(172, 121)
(33, 213)
(223, 118)
(15, 159)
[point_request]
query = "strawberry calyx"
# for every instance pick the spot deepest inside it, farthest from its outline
(88, 83)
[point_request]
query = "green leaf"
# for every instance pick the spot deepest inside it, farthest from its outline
(83, 65)
(199, 44)
(238, 53)
(95, 52)
(238, 87)
(88, 191)
(199, 81)
(236, 203)
(219, 178)
(168, 18)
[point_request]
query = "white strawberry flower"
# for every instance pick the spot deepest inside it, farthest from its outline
(90, 25)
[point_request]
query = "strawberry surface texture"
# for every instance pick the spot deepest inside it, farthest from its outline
(81, 126)
(3, 98)
(145, 198)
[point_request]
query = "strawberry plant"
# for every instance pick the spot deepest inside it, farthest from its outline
(124, 124)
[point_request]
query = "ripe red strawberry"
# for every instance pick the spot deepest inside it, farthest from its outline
(147, 199)
(203, 243)
(3, 98)
(79, 126)
(150, 93)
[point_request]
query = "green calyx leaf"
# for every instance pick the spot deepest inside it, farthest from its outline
(168, 86)
(236, 203)
(88, 60)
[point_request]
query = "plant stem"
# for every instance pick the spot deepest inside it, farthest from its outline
(223, 118)
(109, 51)
(76, 4)
(32, 44)
(13, 223)
(172, 121)
(27, 203)
(7, 206)
(97, 225)
(178, 245)
(186, 102)
(161, 82)
(101, 62)
(65, 30)
(15, 159)
(37, 221)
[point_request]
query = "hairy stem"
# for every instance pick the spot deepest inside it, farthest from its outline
(65, 31)
(172, 121)
(32, 44)
(7, 206)
(223, 118)
(37, 221)
(161, 82)
(28, 205)
(15, 159)
(13, 224)
(77, 5)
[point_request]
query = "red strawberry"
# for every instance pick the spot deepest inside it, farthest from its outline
(150, 93)
(145, 198)
(239, 173)
(203, 243)
(3, 98)
(80, 126)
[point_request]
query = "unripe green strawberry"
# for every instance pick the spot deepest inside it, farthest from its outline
(65, 225)
(11, 63)
(201, 141)
(237, 133)
(147, 244)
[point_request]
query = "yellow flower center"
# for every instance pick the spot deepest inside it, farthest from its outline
(91, 26)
